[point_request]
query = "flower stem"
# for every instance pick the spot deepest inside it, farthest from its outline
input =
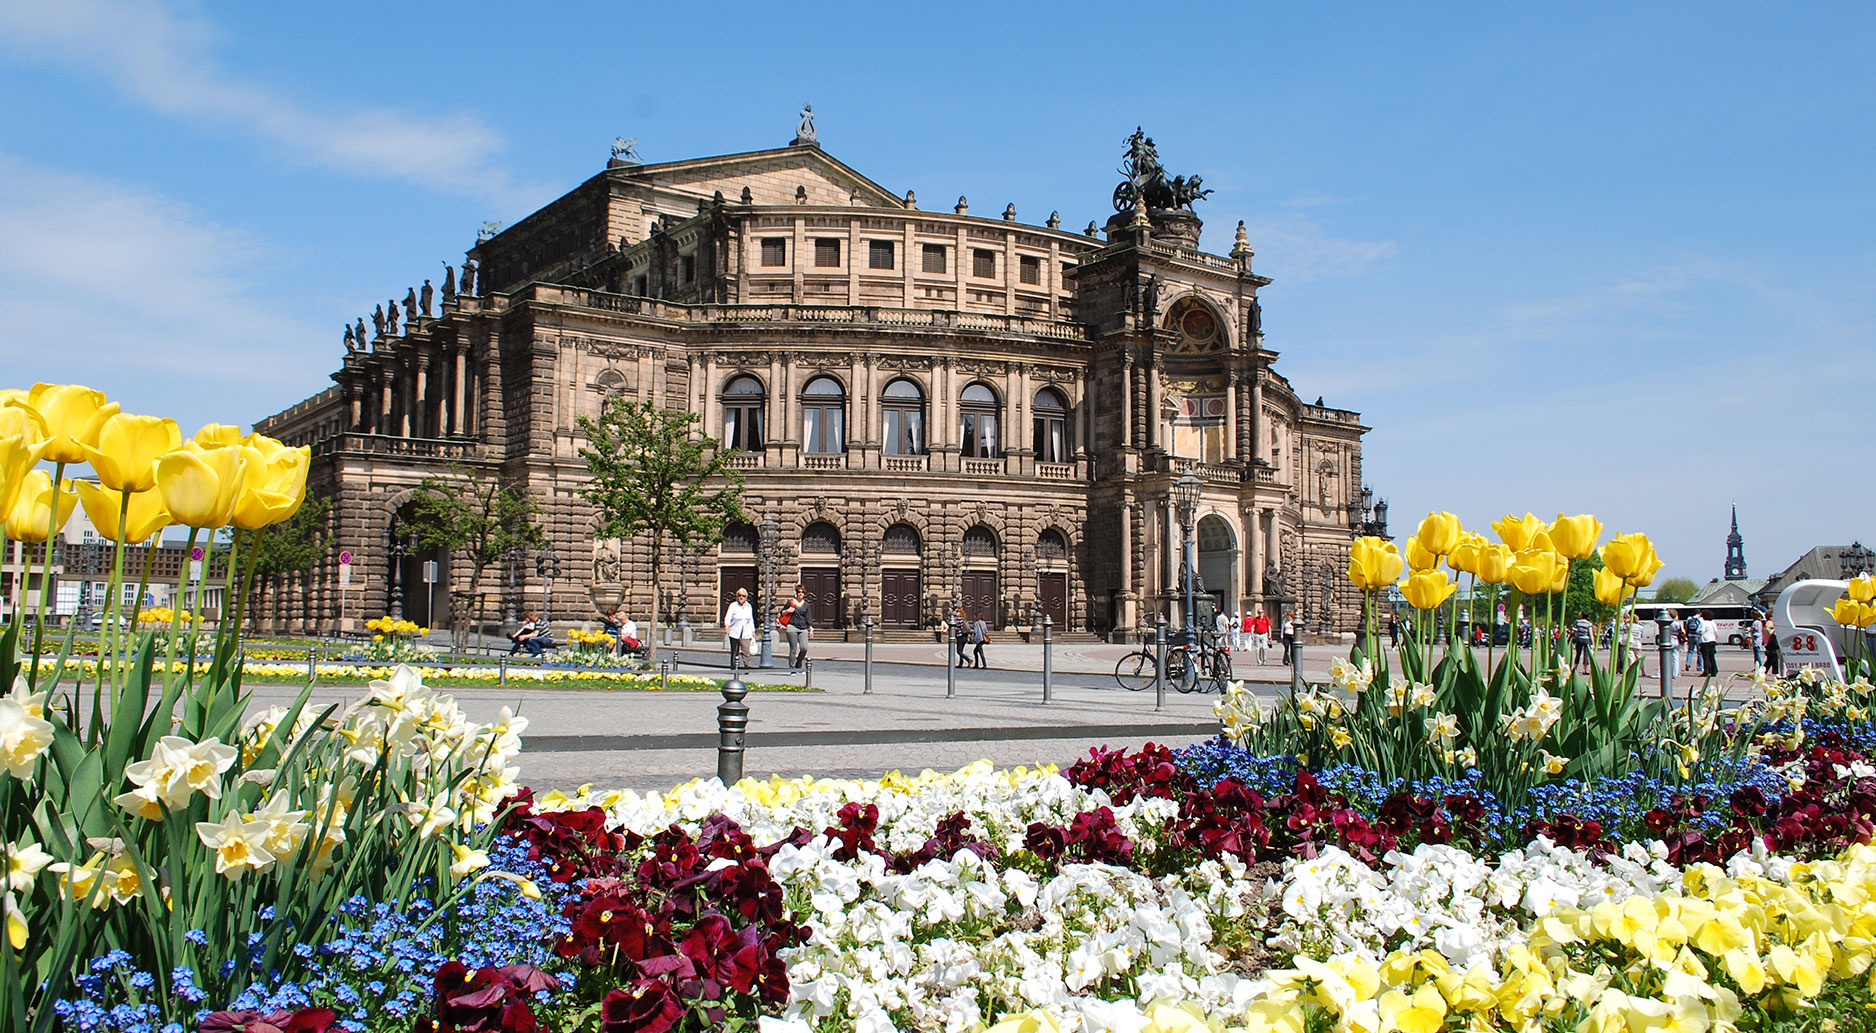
(175, 611)
(45, 566)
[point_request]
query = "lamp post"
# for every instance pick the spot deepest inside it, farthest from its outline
(548, 566)
(511, 583)
(768, 550)
(90, 560)
(398, 550)
(1186, 500)
(1366, 516)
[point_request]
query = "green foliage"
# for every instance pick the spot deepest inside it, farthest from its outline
(477, 518)
(1675, 590)
(653, 476)
(295, 544)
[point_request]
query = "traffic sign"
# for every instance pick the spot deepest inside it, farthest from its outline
(196, 554)
(345, 558)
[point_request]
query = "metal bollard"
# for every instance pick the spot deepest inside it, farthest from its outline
(664, 674)
(732, 723)
(1048, 657)
(951, 670)
(312, 662)
(1296, 664)
(807, 674)
(504, 667)
(867, 626)
(1159, 662)
(1664, 640)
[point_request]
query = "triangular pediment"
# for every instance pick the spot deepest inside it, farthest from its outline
(772, 176)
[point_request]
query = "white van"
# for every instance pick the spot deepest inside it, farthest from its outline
(1806, 633)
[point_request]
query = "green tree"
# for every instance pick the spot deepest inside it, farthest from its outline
(1675, 590)
(652, 475)
(476, 517)
(290, 546)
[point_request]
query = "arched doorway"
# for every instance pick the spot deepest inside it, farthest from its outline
(1052, 578)
(820, 573)
(1218, 562)
(979, 576)
(901, 551)
(423, 602)
(736, 567)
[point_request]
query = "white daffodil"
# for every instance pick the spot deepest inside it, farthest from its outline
(240, 845)
(24, 861)
(24, 735)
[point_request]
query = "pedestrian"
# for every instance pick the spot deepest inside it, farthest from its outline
(628, 636)
(1260, 636)
(1755, 637)
(1246, 631)
(1221, 626)
(1636, 658)
(1289, 638)
(798, 624)
(1393, 630)
(1691, 641)
(1774, 652)
(960, 635)
(739, 628)
(1709, 644)
(1581, 639)
(1677, 642)
(980, 634)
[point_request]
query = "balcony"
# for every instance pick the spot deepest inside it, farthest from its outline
(746, 461)
(1055, 471)
(983, 467)
(452, 449)
(823, 460)
(904, 464)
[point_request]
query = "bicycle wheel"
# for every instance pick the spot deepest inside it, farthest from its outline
(1221, 666)
(1220, 680)
(1135, 671)
(1182, 673)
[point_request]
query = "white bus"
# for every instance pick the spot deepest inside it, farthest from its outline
(1734, 622)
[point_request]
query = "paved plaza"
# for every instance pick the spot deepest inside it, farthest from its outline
(653, 740)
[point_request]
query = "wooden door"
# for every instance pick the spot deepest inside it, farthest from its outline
(899, 598)
(729, 579)
(980, 596)
(824, 595)
(1052, 596)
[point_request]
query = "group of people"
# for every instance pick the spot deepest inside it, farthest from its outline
(1250, 633)
(797, 621)
(534, 637)
(966, 634)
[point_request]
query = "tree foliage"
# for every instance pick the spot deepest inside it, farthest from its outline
(477, 519)
(296, 543)
(653, 476)
(1675, 590)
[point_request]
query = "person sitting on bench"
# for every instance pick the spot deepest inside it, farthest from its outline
(528, 636)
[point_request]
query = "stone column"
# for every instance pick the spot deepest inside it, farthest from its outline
(1153, 403)
(1254, 542)
(773, 412)
(421, 390)
(1231, 417)
(458, 359)
(1126, 398)
(383, 424)
(1257, 413)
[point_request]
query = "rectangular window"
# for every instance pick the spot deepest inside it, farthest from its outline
(879, 254)
(822, 429)
(742, 427)
(638, 286)
(934, 258)
(980, 436)
(827, 252)
(983, 263)
(1031, 269)
(774, 251)
(687, 268)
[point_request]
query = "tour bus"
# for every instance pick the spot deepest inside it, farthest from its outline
(1807, 636)
(1734, 621)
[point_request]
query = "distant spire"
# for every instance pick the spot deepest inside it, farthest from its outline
(1735, 550)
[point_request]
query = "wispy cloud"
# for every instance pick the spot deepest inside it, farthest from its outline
(166, 61)
(139, 296)
(1302, 249)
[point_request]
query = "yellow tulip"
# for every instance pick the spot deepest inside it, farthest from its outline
(18, 456)
(31, 513)
(1427, 589)
(1646, 575)
(1495, 564)
(272, 485)
(73, 416)
(1373, 563)
(1533, 571)
(19, 418)
(1845, 611)
(145, 517)
(1517, 532)
(1863, 588)
(217, 435)
(200, 486)
(128, 448)
(1575, 537)
(1417, 557)
(1438, 533)
(1465, 555)
(1611, 590)
(1627, 554)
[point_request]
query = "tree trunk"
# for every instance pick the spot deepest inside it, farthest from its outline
(657, 586)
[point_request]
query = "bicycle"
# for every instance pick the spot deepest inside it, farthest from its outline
(1136, 671)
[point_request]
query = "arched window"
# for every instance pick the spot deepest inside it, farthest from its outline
(902, 409)
(1050, 545)
(901, 540)
(739, 538)
(824, 416)
(980, 541)
(978, 409)
(743, 399)
(1051, 427)
(820, 539)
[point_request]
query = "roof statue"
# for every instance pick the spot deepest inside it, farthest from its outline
(488, 231)
(625, 151)
(805, 136)
(1146, 179)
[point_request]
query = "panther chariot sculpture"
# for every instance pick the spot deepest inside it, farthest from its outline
(1146, 180)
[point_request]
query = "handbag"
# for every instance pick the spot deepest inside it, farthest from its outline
(784, 619)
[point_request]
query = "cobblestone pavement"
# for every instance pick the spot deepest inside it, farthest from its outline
(653, 740)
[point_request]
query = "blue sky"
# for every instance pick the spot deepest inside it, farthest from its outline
(1604, 258)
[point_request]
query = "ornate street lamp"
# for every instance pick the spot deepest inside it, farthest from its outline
(768, 551)
(1186, 502)
(548, 566)
(398, 549)
(511, 581)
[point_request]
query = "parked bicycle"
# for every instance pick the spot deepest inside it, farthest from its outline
(1204, 666)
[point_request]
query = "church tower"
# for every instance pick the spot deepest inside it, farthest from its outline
(1735, 550)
